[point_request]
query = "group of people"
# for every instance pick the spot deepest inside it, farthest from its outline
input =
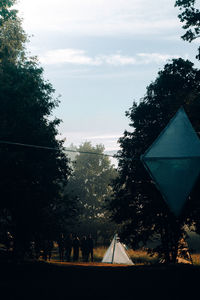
(71, 246)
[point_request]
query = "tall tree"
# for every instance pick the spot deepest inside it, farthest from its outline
(12, 35)
(190, 16)
(137, 204)
(31, 179)
(91, 184)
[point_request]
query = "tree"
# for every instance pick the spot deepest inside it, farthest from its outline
(91, 184)
(12, 35)
(137, 204)
(31, 179)
(190, 16)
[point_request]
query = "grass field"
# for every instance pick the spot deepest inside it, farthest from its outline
(139, 257)
(196, 258)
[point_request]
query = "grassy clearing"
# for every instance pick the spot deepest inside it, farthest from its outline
(138, 256)
(142, 257)
(99, 253)
(196, 258)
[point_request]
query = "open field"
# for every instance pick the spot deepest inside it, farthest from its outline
(139, 257)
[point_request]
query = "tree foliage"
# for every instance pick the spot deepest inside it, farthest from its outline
(31, 179)
(91, 184)
(190, 16)
(12, 35)
(137, 204)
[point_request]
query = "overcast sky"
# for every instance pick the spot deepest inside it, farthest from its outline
(100, 55)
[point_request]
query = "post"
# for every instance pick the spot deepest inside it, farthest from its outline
(114, 248)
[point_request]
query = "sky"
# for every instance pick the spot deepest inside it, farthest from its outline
(100, 55)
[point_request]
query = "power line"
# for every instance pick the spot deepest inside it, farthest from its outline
(54, 149)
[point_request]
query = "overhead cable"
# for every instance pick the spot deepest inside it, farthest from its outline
(54, 149)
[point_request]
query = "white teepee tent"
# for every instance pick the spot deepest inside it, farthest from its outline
(116, 253)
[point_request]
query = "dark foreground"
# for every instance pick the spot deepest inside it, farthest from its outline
(50, 281)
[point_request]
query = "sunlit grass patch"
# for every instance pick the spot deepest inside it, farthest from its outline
(141, 256)
(137, 256)
(196, 258)
(99, 253)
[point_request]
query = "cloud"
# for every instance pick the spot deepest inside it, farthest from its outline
(77, 138)
(147, 58)
(105, 137)
(72, 56)
(117, 60)
(80, 57)
(99, 17)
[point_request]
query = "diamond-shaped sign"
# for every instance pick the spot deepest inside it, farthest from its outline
(173, 161)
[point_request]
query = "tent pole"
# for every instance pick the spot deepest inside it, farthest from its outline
(114, 249)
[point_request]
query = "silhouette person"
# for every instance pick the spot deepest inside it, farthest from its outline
(49, 248)
(37, 247)
(68, 247)
(90, 247)
(61, 246)
(76, 245)
(84, 248)
(45, 249)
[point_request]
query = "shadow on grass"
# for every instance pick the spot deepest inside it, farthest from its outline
(40, 280)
